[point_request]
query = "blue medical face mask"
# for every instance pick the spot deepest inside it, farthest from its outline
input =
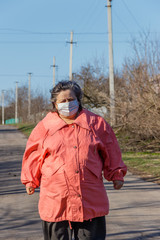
(68, 108)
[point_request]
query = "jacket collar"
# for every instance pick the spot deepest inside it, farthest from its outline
(84, 119)
(53, 122)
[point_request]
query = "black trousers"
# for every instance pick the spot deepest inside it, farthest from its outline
(94, 229)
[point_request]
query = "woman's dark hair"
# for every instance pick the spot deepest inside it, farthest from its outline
(65, 85)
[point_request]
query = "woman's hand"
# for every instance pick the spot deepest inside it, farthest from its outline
(117, 184)
(30, 190)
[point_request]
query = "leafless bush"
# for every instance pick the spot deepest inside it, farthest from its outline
(138, 103)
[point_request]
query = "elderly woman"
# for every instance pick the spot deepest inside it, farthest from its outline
(65, 155)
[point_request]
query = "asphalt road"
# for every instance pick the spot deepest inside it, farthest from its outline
(134, 210)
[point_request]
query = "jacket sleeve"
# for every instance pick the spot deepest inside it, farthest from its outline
(32, 158)
(113, 168)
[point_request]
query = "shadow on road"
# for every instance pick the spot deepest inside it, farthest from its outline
(10, 170)
(8, 130)
(145, 234)
(20, 223)
(138, 184)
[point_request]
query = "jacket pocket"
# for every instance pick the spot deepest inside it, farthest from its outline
(92, 170)
(51, 167)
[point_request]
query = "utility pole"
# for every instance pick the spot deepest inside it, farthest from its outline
(2, 107)
(71, 53)
(54, 66)
(16, 104)
(29, 96)
(111, 68)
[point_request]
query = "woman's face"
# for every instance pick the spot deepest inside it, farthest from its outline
(65, 96)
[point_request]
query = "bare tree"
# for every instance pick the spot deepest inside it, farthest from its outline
(39, 104)
(138, 102)
(93, 84)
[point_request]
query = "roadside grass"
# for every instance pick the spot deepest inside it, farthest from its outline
(144, 164)
(25, 128)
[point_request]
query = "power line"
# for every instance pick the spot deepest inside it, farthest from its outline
(130, 12)
(16, 31)
(89, 13)
(54, 33)
(79, 33)
(103, 41)
(46, 42)
(128, 31)
(23, 31)
(31, 42)
(82, 19)
(23, 75)
(93, 15)
(91, 33)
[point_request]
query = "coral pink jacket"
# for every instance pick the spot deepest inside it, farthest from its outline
(67, 161)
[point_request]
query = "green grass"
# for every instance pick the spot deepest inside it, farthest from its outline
(145, 164)
(25, 128)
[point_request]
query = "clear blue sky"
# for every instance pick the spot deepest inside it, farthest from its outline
(33, 31)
